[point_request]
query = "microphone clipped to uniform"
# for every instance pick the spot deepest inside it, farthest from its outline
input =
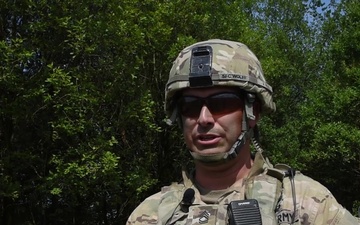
(187, 200)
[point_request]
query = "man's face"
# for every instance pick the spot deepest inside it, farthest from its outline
(214, 126)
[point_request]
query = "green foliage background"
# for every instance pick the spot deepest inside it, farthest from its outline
(82, 132)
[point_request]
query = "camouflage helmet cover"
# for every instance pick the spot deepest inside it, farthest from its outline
(232, 64)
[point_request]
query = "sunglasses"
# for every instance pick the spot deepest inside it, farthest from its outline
(218, 104)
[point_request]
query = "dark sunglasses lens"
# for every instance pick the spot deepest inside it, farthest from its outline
(190, 106)
(222, 103)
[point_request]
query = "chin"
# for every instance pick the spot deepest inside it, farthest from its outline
(210, 151)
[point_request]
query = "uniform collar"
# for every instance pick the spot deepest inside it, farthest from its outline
(260, 165)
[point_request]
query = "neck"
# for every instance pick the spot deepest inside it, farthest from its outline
(222, 176)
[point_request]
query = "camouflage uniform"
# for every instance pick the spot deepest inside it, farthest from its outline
(314, 203)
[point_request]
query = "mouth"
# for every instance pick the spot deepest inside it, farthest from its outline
(208, 139)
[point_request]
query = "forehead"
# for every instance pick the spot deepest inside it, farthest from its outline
(204, 92)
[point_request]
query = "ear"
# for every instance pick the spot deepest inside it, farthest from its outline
(256, 111)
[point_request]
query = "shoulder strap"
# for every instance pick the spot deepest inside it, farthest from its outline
(267, 189)
(279, 171)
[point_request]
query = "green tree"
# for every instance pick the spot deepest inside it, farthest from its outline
(76, 118)
(331, 109)
(82, 132)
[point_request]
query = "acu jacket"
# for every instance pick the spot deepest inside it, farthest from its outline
(284, 197)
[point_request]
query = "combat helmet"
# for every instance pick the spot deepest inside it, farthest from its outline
(219, 62)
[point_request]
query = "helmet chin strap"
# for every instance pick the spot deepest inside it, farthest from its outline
(174, 117)
(247, 133)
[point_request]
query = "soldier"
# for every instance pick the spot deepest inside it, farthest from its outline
(216, 92)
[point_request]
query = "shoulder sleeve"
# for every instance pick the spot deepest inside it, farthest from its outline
(314, 203)
(146, 212)
(158, 208)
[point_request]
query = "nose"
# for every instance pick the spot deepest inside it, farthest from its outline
(205, 117)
